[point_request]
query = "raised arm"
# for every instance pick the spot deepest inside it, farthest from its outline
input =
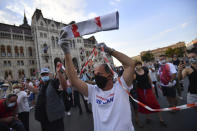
(61, 77)
(70, 69)
(126, 61)
(32, 89)
(128, 65)
(72, 75)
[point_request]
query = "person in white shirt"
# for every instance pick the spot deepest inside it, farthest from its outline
(153, 76)
(167, 74)
(110, 102)
(23, 105)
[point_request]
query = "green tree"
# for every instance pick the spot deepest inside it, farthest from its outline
(170, 52)
(148, 56)
(179, 51)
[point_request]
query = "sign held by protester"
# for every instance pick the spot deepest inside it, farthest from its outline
(100, 23)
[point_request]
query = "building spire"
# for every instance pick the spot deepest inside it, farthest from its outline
(25, 19)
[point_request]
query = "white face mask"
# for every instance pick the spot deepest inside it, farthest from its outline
(12, 104)
(193, 60)
(16, 91)
(163, 61)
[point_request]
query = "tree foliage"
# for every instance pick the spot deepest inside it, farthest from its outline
(176, 51)
(170, 52)
(148, 56)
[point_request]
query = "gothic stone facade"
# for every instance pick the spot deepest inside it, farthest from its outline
(26, 49)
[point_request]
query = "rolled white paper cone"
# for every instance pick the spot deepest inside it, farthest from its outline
(102, 23)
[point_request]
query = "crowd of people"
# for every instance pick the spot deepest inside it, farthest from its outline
(54, 94)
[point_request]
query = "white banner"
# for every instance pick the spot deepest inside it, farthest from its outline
(101, 23)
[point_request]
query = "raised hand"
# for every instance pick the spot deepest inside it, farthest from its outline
(64, 42)
(106, 48)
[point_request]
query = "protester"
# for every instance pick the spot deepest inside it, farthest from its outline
(68, 99)
(153, 77)
(133, 93)
(191, 72)
(175, 61)
(4, 87)
(49, 109)
(110, 102)
(167, 74)
(23, 105)
(145, 92)
(8, 117)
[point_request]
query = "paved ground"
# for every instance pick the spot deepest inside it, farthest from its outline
(184, 120)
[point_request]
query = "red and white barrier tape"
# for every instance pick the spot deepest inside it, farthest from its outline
(181, 107)
(91, 57)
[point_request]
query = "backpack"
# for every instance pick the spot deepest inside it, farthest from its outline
(164, 72)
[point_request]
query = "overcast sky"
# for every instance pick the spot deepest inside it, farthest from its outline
(144, 24)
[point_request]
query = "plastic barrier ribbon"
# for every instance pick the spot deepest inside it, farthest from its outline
(181, 107)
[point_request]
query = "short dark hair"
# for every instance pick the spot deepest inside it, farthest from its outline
(56, 60)
(11, 95)
(138, 63)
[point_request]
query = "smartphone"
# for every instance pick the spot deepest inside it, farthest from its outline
(62, 68)
(187, 64)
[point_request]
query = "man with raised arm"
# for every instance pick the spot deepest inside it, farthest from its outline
(110, 102)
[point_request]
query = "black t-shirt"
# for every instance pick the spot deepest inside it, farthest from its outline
(176, 62)
(142, 80)
(193, 82)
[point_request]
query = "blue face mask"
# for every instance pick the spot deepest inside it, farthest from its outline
(193, 60)
(45, 78)
(11, 104)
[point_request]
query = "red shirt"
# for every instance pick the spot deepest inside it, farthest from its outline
(5, 111)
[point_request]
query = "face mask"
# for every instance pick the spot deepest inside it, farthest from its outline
(16, 91)
(101, 81)
(163, 61)
(11, 104)
(45, 78)
(193, 60)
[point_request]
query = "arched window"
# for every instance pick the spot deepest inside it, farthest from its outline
(53, 41)
(9, 63)
(21, 73)
(41, 23)
(6, 75)
(53, 25)
(32, 72)
(45, 49)
(73, 45)
(3, 53)
(57, 40)
(10, 73)
(16, 51)
(9, 50)
(21, 51)
(30, 51)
